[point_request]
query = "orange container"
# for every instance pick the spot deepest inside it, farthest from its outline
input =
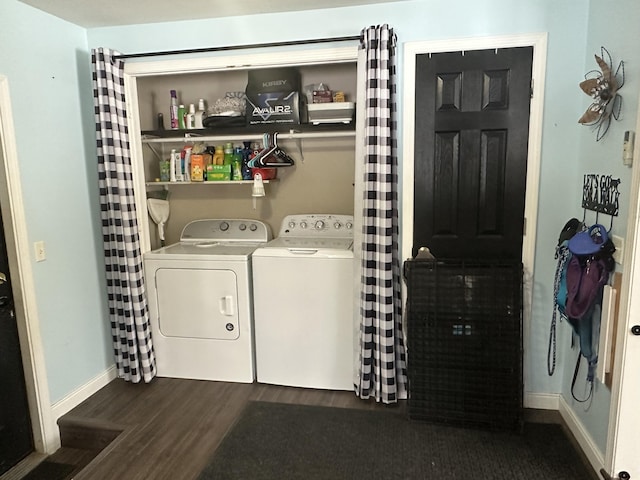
(197, 167)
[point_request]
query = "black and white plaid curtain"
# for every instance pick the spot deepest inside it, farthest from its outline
(125, 281)
(382, 353)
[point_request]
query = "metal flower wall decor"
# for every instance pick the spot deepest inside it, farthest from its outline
(603, 86)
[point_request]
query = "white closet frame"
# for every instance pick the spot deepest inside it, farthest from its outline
(214, 62)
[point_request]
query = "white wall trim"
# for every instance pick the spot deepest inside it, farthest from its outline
(137, 166)
(208, 62)
(222, 61)
(83, 392)
(588, 446)
(539, 43)
(45, 432)
(542, 401)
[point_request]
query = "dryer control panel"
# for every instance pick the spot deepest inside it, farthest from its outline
(317, 226)
(225, 230)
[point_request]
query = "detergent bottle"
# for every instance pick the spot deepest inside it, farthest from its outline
(228, 153)
(218, 156)
(236, 164)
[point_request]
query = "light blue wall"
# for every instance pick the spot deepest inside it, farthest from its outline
(566, 24)
(45, 61)
(570, 25)
(614, 25)
(70, 291)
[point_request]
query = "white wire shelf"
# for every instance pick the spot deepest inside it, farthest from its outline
(292, 134)
(216, 182)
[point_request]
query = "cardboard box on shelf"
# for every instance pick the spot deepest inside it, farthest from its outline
(322, 96)
(197, 167)
(218, 173)
(274, 97)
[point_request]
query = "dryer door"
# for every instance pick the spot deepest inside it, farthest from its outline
(194, 303)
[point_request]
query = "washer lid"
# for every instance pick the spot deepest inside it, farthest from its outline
(328, 243)
(311, 248)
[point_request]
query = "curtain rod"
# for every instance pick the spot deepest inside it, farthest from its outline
(237, 47)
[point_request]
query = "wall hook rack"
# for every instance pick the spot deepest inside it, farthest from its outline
(600, 194)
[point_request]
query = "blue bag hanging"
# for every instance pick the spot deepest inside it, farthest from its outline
(563, 255)
(586, 275)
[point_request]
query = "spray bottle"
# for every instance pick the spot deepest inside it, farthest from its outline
(191, 117)
(172, 165)
(173, 110)
(200, 114)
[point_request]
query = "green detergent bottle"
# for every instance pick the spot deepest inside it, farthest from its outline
(236, 164)
(228, 153)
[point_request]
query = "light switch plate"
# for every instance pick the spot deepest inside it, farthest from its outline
(40, 252)
(618, 255)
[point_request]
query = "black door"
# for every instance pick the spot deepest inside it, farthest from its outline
(16, 441)
(471, 133)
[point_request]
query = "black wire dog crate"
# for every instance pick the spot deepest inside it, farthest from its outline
(464, 342)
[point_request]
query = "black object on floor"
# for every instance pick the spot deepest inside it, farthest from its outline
(50, 471)
(464, 332)
(280, 441)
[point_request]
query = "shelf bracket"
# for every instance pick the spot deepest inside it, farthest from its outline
(158, 156)
(298, 140)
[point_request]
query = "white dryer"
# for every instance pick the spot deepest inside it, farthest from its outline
(303, 299)
(200, 302)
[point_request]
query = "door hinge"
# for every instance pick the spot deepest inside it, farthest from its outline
(524, 227)
(531, 88)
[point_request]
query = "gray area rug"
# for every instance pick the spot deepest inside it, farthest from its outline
(280, 441)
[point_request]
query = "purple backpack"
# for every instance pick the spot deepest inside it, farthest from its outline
(585, 279)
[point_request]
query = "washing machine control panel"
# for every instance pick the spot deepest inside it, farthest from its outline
(317, 226)
(226, 230)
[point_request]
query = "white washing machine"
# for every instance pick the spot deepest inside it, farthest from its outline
(200, 302)
(303, 303)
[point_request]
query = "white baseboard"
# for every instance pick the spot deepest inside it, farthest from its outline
(83, 392)
(587, 445)
(541, 401)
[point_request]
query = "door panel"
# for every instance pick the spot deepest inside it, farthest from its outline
(16, 440)
(472, 119)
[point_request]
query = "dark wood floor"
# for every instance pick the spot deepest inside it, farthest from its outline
(169, 429)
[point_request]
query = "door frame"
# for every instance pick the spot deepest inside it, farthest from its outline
(539, 43)
(46, 437)
(624, 422)
(198, 64)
